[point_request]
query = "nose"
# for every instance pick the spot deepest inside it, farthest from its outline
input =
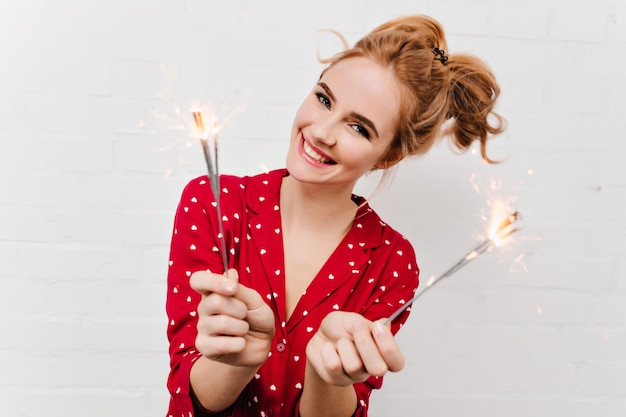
(324, 132)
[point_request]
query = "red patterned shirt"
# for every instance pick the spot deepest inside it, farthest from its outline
(371, 272)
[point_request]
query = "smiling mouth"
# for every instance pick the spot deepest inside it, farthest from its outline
(310, 152)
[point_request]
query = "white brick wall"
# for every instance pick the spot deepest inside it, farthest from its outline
(96, 145)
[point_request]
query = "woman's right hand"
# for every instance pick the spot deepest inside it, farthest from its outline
(235, 326)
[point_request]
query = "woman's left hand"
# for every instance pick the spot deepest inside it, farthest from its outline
(348, 348)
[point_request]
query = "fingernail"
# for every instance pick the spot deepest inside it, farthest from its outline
(228, 287)
(379, 329)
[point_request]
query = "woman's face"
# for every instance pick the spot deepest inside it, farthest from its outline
(345, 125)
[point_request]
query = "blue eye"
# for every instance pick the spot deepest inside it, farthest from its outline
(323, 99)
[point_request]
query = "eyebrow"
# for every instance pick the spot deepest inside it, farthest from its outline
(355, 115)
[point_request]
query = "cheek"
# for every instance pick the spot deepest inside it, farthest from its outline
(307, 111)
(373, 157)
(357, 154)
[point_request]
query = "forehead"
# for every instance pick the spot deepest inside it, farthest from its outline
(362, 86)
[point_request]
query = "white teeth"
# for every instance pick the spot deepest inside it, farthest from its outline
(309, 151)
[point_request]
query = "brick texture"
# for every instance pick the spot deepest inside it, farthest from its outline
(96, 143)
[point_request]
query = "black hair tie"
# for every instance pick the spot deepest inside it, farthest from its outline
(441, 56)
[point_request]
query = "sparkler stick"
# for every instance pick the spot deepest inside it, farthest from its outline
(503, 230)
(213, 173)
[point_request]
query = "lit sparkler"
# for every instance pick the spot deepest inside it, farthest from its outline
(213, 172)
(496, 236)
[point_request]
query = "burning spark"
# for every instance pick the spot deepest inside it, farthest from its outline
(431, 281)
(473, 254)
(197, 117)
(501, 229)
(213, 171)
(519, 261)
(539, 309)
(505, 228)
(495, 185)
(474, 184)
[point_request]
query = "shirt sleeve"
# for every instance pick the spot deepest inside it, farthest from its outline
(193, 248)
(397, 284)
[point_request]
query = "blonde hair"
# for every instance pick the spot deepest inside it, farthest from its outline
(458, 90)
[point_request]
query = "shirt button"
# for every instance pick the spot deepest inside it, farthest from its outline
(269, 412)
(281, 347)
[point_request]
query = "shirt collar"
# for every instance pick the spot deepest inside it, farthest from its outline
(263, 193)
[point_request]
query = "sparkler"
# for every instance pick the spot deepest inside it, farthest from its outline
(499, 232)
(213, 173)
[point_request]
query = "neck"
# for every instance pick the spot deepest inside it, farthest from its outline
(317, 206)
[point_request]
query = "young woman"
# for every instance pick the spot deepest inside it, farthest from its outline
(295, 326)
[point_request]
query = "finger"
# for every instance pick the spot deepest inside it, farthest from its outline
(248, 296)
(223, 325)
(217, 304)
(205, 282)
(219, 345)
(259, 314)
(337, 325)
(251, 298)
(351, 361)
(368, 351)
(332, 370)
(232, 274)
(388, 347)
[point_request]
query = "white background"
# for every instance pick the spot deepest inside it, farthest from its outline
(96, 143)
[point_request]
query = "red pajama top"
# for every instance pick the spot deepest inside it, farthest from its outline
(371, 272)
